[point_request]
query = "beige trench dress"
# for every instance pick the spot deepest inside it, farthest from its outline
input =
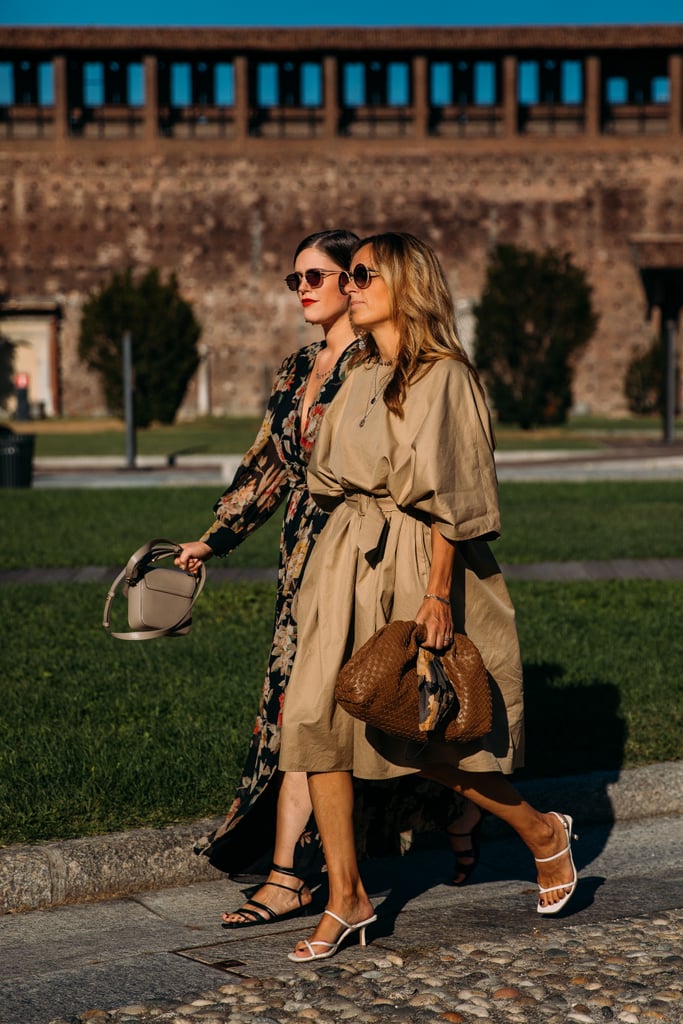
(386, 481)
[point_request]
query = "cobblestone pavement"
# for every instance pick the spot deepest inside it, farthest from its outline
(629, 971)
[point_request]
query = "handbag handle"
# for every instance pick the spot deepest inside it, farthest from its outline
(420, 633)
(133, 572)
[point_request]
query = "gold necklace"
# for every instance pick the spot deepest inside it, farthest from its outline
(376, 390)
(324, 374)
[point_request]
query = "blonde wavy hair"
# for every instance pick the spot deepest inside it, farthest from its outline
(421, 310)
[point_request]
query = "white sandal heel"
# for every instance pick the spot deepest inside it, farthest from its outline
(332, 947)
(553, 908)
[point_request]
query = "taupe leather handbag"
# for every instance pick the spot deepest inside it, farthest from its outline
(160, 600)
(383, 684)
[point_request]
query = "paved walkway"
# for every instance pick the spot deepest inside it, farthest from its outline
(436, 953)
(618, 460)
(612, 569)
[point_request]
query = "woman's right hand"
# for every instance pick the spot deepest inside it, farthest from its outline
(192, 555)
(437, 618)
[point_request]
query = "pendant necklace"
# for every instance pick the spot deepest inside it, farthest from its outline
(376, 390)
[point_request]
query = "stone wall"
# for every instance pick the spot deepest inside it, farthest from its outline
(227, 225)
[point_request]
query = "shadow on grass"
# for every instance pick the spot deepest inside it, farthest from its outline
(571, 730)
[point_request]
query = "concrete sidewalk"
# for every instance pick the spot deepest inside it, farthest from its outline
(643, 460)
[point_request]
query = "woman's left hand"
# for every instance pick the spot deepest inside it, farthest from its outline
(438, 619)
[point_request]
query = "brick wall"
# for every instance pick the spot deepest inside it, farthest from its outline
(228, 224)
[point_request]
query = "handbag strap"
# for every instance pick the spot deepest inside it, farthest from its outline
(133, 572)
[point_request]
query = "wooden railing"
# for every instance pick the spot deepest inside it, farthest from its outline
(111, 121)
(26, 121)
(551, 119)
(636, 119)
(376, 121)
(286, 122)
(466, 120)
(196, 121)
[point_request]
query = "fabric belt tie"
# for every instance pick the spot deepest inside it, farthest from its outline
(374, 525)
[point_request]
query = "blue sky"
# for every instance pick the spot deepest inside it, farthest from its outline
(334, 12)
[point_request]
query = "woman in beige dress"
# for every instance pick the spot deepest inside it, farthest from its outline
(404, 463)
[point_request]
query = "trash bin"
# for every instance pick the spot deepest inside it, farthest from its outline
(16, 459)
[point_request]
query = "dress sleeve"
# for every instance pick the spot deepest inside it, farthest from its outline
(447, 470)
(261, 482)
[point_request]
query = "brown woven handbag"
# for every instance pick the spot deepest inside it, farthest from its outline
(380, 686)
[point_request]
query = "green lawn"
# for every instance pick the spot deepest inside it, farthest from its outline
(233, 435)
(567, 521)
(98, 735)
(603, 664)
(104, 527)
(214, 436)
(541, 521)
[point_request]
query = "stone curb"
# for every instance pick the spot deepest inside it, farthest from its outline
(100, 867)
(629, 794)
(123, 863)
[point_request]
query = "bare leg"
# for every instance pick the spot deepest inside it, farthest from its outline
(332, 796)
(293, 812)
(542, 833)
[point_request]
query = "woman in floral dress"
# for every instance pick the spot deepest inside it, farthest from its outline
(265, 816)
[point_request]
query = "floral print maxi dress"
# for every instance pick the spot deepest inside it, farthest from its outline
(271, 472)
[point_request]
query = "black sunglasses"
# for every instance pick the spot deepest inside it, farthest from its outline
(314, 278)
(362, 276)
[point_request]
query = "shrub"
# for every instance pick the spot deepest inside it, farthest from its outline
(535, 315)
(645, 381)
(164, 333)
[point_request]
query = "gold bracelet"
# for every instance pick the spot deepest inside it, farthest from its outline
(436, 597)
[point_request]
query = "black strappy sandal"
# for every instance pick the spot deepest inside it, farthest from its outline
(470, 856)
(256, 916)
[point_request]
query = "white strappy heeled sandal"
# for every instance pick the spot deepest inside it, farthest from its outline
(330, 948)
(553, 908)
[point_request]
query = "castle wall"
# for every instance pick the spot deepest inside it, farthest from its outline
(228, 226)
(220, 189)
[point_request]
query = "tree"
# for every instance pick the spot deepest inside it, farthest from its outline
(535, 315)
(164, 332)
